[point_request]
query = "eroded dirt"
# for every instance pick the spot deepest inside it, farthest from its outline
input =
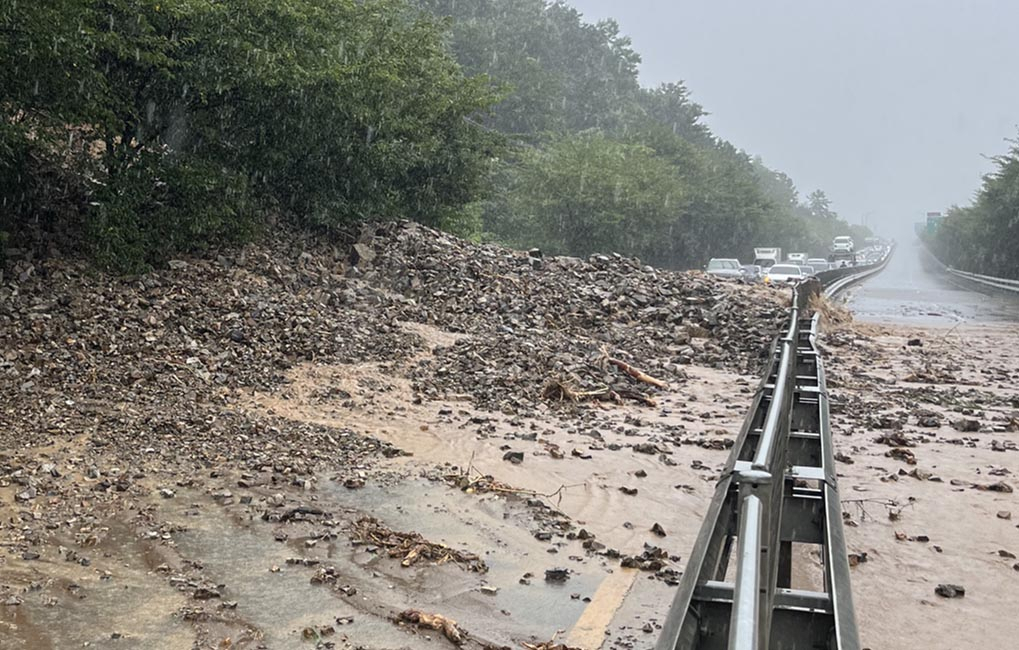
(186, 455)
(926, 420)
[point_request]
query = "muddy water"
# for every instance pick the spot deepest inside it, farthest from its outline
(673, 489)
(132, 589)
(117, 598)
(912, 292)
(275, 601)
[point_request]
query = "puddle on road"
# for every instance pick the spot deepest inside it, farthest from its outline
(66, 605)
(487, 525)
(241, 553)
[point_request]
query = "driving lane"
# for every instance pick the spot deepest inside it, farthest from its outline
(912, 290)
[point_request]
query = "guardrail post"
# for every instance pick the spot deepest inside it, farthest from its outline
(752, 596)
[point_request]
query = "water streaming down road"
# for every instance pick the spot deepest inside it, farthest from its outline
(912, 290)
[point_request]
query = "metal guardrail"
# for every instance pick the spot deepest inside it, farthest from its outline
(838, 280)
(971, 280)
(748, 583)
(1002, 284)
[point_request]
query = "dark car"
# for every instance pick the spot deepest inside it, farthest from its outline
(753, 273)
(723, 267)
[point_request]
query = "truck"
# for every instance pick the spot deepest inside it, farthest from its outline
(767, 257)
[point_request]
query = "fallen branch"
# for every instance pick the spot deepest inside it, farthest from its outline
(412, 546)
(485, 483)
(549, 645)
(447, 626)
(637, 373)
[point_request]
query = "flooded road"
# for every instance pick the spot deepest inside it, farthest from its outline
(913, 291)
(924, 379)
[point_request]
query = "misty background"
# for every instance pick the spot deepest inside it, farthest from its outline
(890, 107)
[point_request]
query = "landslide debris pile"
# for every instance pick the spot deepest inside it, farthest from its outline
(158, 361)
(533, 320)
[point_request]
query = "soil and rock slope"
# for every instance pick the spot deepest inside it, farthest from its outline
(395, 440)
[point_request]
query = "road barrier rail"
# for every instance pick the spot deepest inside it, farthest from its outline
(776, 500)
(1001, 284)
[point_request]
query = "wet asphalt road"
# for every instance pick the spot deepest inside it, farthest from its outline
(913, 291)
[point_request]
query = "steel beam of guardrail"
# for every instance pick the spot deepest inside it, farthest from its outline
(777, 492)
(1001, 284)
(970, 280)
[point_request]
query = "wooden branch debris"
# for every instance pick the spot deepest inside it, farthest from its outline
(637, 374)
(472, 481)
(567, 388)
(549, 645)
(562, 390)
(412, 546)
(437, 622)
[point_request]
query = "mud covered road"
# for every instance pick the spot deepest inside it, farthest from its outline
(402, 440)
(926, 388)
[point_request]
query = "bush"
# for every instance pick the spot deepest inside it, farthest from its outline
(162, 206)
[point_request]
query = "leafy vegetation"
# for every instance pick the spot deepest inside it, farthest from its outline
(604, 164)
(142, 128)
(178, 124)
(982, 237)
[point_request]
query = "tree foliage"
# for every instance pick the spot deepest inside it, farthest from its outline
(141, 128)
(586, 134)
(984, 237)
(181, 123)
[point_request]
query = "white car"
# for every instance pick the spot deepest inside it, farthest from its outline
(842, 243)
(784, 274)
(819, 264)
(796, 258)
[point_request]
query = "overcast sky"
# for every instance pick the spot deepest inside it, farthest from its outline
(887, 105)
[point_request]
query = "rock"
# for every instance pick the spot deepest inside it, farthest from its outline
(1004, 514)
(1000, 486)
(206, 593)
(489, 590)
(515, 457)
(914, 342)
(950, 591)
(966, 425)
(557, 575)
(361, 255)
(658, 530)
(904, 455)
(652, 558)
(629, 491)
(896, 439)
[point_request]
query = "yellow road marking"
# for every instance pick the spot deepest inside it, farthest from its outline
(589, 631)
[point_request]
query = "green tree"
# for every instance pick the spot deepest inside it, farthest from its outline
(192, 118)
(589, 193)
(983, 237)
